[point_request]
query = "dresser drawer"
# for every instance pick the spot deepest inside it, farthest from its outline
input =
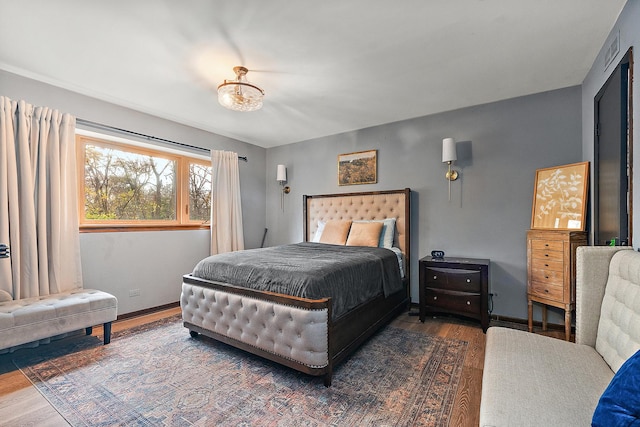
(552, 277)
(453, 279)
(547, 290)
(452, 301)
(547, 255)
(547, 245)
(547, 264)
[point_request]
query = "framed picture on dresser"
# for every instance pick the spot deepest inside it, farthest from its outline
(560, 197)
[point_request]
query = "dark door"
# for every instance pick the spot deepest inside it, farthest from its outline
(612, 159)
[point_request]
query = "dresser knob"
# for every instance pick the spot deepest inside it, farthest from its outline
(546, 265)
(546, 290)
(546, 254)
(435, 298)
(468, 280)
(546, 277)
(468, 302)
(435, 277)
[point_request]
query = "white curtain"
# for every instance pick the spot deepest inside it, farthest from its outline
(38, 201)
(226, 209)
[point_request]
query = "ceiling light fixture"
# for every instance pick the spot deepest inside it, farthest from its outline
(239, 94)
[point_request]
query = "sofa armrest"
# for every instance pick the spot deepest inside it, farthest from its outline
(592, 272)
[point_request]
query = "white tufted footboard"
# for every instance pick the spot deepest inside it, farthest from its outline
(292, 331)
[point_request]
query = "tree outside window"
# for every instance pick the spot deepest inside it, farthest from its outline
(131, 186)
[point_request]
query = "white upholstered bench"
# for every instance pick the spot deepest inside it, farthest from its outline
(31, 319)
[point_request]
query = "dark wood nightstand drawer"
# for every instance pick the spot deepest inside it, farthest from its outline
(452, 301)
(453, 279)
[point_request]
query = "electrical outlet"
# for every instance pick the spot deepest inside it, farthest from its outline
(134, 292)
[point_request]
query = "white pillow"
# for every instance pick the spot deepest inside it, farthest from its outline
(316, 237)
(387, 233)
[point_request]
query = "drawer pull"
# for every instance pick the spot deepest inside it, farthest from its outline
(468, 280)
(546, 254)
(546, 245)
(546, 277)
(546, 291)
(435, 298)
(546, 265)
(468, 302)
(435, 277)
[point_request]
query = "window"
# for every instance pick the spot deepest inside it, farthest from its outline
(129, 186)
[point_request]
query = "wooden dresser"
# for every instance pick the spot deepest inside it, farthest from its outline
(551, 272)
(455, 285)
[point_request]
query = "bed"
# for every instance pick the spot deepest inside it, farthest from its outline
(309, 334)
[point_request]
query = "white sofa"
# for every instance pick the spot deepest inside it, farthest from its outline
(534, 380)
(29, 320)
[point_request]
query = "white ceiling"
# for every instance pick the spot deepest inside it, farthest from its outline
(326, 66)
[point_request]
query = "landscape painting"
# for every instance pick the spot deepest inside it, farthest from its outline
(358, 168)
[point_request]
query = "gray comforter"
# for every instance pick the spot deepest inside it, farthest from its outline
(350, 275)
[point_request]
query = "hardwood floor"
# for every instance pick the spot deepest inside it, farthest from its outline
(22, 405)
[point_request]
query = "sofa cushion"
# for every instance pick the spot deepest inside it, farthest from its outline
(619, 405)
(535, 380)
(618, 332)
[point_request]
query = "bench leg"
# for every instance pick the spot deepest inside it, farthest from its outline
(107, 333)
(88, 330)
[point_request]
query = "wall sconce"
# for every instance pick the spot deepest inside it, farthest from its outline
(281, 177)
(448, 156)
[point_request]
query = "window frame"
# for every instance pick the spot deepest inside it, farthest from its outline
(182, 159)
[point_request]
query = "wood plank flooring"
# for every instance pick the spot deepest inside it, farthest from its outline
(22, 405)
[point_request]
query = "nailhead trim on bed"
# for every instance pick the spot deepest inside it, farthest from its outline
(294, 333)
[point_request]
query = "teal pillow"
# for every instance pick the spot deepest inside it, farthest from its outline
(619, 405)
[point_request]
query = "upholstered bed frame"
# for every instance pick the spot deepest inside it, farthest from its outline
(298, 332)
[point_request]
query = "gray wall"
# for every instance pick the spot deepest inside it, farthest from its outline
(628, 26)
(152, 262)
(500, 146)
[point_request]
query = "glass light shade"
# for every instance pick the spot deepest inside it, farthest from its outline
(449, 150)
(281, 173)
(239, 94)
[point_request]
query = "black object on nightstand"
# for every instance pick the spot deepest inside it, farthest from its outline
(456, 286)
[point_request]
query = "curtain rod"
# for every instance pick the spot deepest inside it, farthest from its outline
(155, 138)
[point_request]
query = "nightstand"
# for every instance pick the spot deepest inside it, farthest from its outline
(456, 286)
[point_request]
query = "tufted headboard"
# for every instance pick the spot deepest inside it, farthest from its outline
(362, 206)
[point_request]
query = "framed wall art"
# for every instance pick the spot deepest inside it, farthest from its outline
(560, 197)
(358, 168)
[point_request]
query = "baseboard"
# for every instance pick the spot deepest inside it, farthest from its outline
(536, 323)
(148, 311)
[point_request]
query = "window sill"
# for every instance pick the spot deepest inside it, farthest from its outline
(127, 228)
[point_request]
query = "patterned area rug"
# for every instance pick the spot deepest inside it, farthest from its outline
(158, 375)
